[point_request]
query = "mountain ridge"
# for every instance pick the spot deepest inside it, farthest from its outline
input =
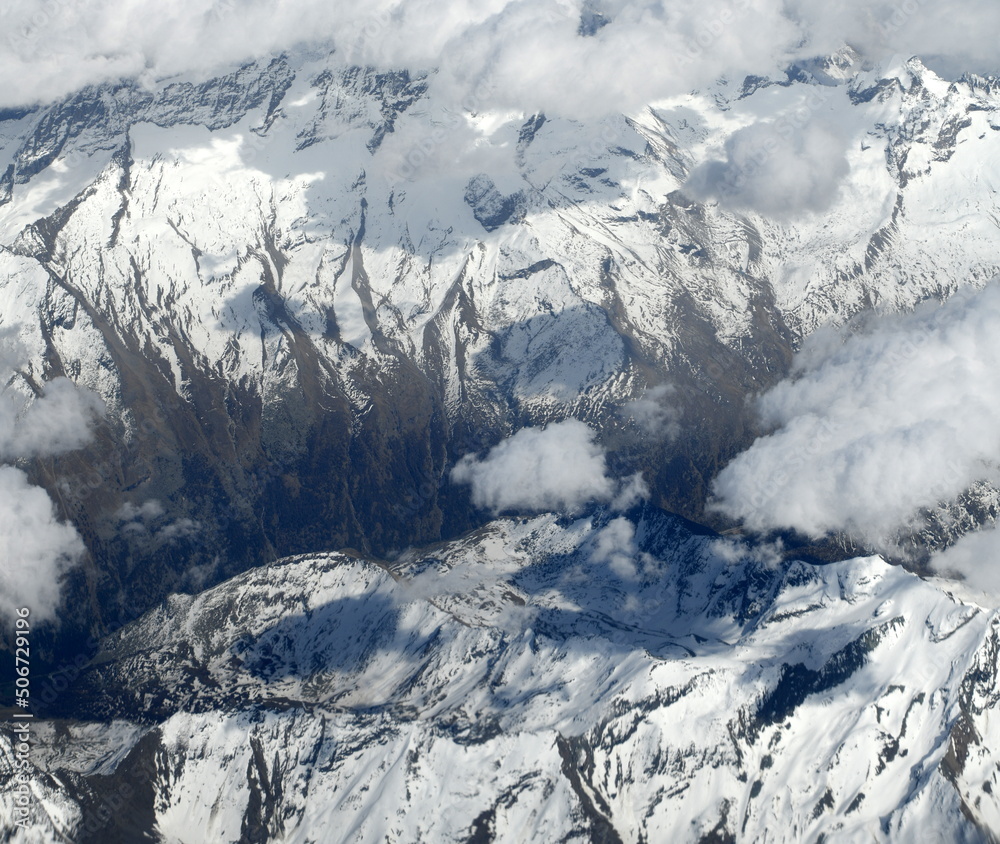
(327, 692)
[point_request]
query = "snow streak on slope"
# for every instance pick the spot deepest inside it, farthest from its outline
(511, 686)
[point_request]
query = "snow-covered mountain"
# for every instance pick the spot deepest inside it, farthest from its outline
(612, 678)
(295, 268)
(304, 293)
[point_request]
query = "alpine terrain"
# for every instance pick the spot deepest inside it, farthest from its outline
(304, 324)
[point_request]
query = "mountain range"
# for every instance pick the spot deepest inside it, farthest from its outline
(303, 293)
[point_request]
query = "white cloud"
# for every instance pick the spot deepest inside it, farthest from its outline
(731, 551)
(882, 28)
(654, 413)
(631, 491)
(557, 468)
(615, 547)
(147, 511)
(140, 522)
(871, 429)
(976, 559)
(777, 168)
(179, 529)
(36, 547)
(531, 55)
(57, 421)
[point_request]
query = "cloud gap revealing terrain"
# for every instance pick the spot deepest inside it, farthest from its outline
(493, 421)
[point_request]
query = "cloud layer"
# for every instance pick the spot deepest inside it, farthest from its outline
(615, 546)
(976, 559)
(558, 468)
(875, 427)
(562, 56)
(655, 412)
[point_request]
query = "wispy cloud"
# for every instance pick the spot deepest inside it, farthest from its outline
(655, 412)
(35, 547)
(976, 559)
(776, 168)
(615, 546)
(57, 421)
